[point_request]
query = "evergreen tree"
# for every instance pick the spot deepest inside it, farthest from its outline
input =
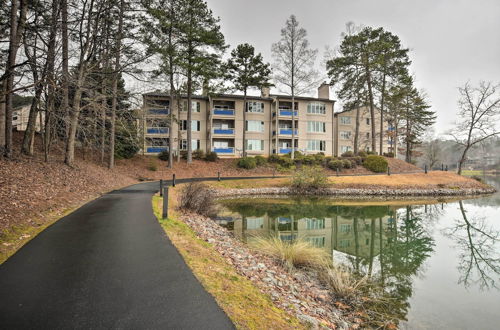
(246, 70)
(201, 43)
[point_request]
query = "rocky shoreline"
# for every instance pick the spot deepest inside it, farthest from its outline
(356, 192)
(298, 292)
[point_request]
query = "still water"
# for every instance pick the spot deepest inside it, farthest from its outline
(439, 259)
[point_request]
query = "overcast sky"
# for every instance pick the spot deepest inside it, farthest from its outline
(451, 41)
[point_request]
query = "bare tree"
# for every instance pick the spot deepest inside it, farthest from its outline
(294, 64)
(479, 108)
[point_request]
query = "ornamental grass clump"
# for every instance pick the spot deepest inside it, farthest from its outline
(341, 280)
(295, 254)
(309, 178)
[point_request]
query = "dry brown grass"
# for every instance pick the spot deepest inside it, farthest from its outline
(298, 253)
(341, 281)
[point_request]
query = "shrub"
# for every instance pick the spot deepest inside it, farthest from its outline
(370, 153)
(298, 155)
(375, 163)
(308, 178)
(260, 160)
(184, 154)
(477, 178)
(298, 253)
(348, 154)
(198, 154)
(199, 198)
(286, 162)
(211, 156)
(335, 164)
(341, 281)
(273, 158)
(362, 154)
(346, 163)
(309, 160)
(357, 160)
(389, 154)
(319, 157)
(247, 163)
(163, 155)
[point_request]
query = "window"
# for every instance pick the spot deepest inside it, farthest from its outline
(154, 122)
(255, 223)
(195, 106)
(14, 118)
(195, 144)
(345, 149)
(315, 223)
(345, 135)
(367, 135)
(367, 121)
(345, 120)
(221, 144)
(316, 108)
(255, 145)
(316, 127)
(254, 126)
(155, 103)
(257, 107)
(195, 125)
(318, 241)
(344, 243)
(156, 142)
(345, 227)
(316, 145)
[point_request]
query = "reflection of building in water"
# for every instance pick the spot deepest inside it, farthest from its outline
(354, 236)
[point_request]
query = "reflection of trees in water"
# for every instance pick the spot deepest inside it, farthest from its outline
(479, 245)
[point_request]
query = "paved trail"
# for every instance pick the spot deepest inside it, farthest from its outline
(106, 265)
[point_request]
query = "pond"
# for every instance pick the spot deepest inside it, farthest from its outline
(439, 259)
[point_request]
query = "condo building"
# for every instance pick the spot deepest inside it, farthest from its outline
(217, 124)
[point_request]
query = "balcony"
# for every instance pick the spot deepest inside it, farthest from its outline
(285, 150)
(228, 150)
(157, 112)
(223, 112)
(224, 131)
(157, 130)
(287, 131)
(288, 113)
(156, 149)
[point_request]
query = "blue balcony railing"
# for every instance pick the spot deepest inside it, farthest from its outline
(288, 113)
(156, 149)
(286, 131)
(158, 111)
(285, 150)
(229, 150)
(224, 112)
(157, 130)
(223, 131)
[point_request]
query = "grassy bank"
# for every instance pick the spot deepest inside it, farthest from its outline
(244, 303)
(432, 180)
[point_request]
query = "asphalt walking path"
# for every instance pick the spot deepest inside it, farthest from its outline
(107, 265)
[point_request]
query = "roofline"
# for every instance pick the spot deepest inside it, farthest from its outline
(237, 96)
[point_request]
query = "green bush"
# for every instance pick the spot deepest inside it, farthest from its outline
(389, 154)
(376, 163)
(348, 154)
(320, 157)
(163, 155)
(346, 163)
(335, 164)
(247, 163)
(362, 154)
(297, 155)
(198, 154)
(211, 156)
(260, 160)
(286, 162)
(152, 166)
(308, 178)
(184, 154)
(309, 160)
(273, 158)
(357, 160)
(371, 153)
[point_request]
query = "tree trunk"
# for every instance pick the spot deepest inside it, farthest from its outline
(16, 31)
(372, 109)
(245, 123)
(462, 160)
(73, 122)
(382, 115)
(29, 133)
(65, 65)
(2, 117)
(189, 113)
(356, 132)
(116, 75)
(179, 134)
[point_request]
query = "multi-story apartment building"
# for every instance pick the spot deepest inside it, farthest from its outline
(217, 124)
(20, 118)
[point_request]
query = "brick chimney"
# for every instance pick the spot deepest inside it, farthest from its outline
(324, 91)
(265, 91)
